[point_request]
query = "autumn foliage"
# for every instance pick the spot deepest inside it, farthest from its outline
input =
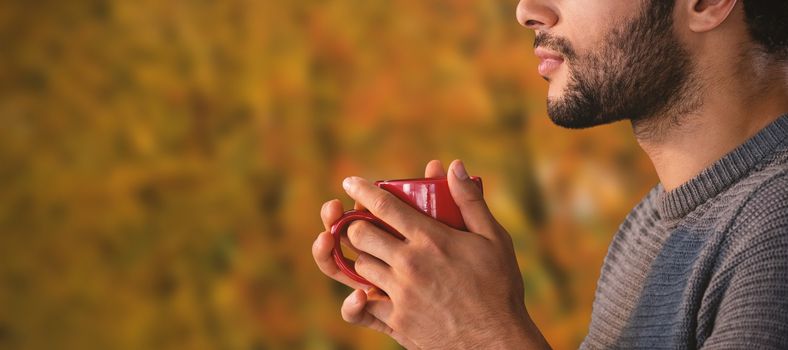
(162, 163)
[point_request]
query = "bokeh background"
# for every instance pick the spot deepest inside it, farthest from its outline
(162, 163)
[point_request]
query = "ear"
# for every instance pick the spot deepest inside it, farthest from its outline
(705, 15)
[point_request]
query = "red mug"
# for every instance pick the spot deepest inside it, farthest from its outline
(429, 196)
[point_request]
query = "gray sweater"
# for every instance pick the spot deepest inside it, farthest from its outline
(704, 265)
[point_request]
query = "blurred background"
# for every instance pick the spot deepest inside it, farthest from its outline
(162, 163)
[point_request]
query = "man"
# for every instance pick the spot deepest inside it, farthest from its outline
(701, 262)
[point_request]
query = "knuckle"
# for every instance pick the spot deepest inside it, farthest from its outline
(410, 266)
(368, 273)
(477, 199)
(508, 240)
(434, 246)
(382, 202)
(402, 258)
(332, 271)
(326, 266)
(386, 330)
(360, 262)
(355, 231)
(396, 321)
(501, 237)
(318, 247)
(364, 268)
(406, 257)
(405, 296)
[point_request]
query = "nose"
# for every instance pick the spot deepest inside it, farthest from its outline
(536, 14)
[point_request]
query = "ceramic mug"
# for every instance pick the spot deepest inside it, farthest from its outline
(429, 196)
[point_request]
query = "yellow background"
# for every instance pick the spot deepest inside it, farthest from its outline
(162, 163)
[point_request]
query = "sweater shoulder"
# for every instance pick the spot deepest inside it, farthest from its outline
(766, 204)
(759, 197)
(760, 223)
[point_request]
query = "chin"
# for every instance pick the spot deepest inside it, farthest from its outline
(572, 113)
(582, 122)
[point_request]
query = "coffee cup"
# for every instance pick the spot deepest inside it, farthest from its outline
(430, 196)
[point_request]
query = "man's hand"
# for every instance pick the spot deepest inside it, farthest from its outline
(444, 288)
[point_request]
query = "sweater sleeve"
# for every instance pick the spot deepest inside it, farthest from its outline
(753, 312)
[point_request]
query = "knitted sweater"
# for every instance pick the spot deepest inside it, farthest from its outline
(704, 265)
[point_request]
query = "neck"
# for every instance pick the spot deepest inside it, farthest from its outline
(683, 143)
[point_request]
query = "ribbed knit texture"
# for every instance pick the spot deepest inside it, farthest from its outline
(705, 265)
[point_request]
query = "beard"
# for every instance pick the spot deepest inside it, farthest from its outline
(641, 72)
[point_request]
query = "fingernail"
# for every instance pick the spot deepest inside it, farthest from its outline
(346, 184)
(459, 170)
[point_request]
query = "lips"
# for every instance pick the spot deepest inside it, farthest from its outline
(549, 61)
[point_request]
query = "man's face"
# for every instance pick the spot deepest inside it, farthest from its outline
(608, 60)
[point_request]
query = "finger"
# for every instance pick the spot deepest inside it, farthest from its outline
(353, 308)
(321, 252)
(361, 308)
(330, 213)
(379, 304)
(386, 206)
(469, 198)
(372, 240)
(346, 243)
(356, 307)
(375, 271)
(434, 169)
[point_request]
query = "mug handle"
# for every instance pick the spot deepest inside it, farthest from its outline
(340, 227)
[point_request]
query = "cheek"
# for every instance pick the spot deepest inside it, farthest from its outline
(583, 42)
(588, 23)
(587, 26)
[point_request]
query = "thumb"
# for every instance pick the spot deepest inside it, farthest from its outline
(468, 196)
